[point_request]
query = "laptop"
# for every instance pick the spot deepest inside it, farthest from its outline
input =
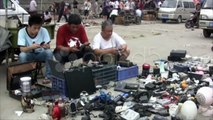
(57, 69)
(78, 80)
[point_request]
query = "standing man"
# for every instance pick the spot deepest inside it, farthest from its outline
(72, 42)
(95, 8)
(106, 10)
(61, 11)
(87, 7)
(197, 7)
(75, 7)
(197, 4)
(33, 7)
(17, 1)
(109, 42)
(34, 44)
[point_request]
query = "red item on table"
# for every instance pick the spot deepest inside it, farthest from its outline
(56, 115)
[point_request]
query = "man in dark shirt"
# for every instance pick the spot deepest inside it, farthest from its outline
(61, 11)
(75, 6)
(72, 41)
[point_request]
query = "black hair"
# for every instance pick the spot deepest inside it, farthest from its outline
(74, 19)
(35, 20)
(46, 12)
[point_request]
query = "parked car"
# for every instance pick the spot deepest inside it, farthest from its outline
(14, 12)
(176, 10)
(206, 18)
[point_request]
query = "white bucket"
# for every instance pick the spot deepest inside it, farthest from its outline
(25, 83)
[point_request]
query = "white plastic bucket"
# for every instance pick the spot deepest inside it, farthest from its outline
(25, 83)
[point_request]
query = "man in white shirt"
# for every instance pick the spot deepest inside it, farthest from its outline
(17, 1)
(87, 7)
(109, 42)
(47, 17)
(33, 7)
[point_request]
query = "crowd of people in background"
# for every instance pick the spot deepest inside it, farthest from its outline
(95, 8)
(99, 9)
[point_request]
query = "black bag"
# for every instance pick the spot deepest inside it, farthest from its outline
(18, 70)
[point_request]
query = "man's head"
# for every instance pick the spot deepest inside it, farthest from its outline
(106, 29)
(34, 24)
(74, 22)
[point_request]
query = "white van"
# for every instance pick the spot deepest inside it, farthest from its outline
(206, 18)
(14, 11)
(176, 10)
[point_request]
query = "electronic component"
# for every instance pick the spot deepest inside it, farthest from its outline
(188, 110)
(162, 112)
(130, 115)
(126, 87)
(131, 86)
(42, 43)
(173, 109)
(120, 86)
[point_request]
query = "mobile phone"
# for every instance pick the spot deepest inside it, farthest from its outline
(42, 43)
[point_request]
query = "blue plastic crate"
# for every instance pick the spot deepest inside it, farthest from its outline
(127, 72)
(59, 85)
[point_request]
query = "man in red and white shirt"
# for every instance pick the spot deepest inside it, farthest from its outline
(70, 40)
(196, 2)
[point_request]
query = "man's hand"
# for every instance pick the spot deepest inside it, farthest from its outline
(45, 46)
(74, 49)
(122, 48)
(34, 46)
(114, 50)
(86, 43)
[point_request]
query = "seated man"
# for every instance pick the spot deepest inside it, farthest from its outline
(108, 42)
(72, 42)
(34, 43)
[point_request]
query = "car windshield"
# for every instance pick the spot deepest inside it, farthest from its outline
(208, 4)
(169, 4)
(4, 2)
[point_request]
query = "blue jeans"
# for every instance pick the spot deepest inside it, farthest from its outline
(44, 55)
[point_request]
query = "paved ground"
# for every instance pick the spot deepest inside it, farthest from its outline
(147, 42)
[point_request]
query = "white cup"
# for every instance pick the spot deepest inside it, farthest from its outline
(25, 84)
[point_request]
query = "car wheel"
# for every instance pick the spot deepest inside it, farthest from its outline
(206, 33)
(179, 19)
(2, 57)
(163, 21)
(188, 24)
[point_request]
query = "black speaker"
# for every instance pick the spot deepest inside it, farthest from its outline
(79, 79)
(178, 53)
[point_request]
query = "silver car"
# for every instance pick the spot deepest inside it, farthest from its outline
(176, 10)
(206, 18)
